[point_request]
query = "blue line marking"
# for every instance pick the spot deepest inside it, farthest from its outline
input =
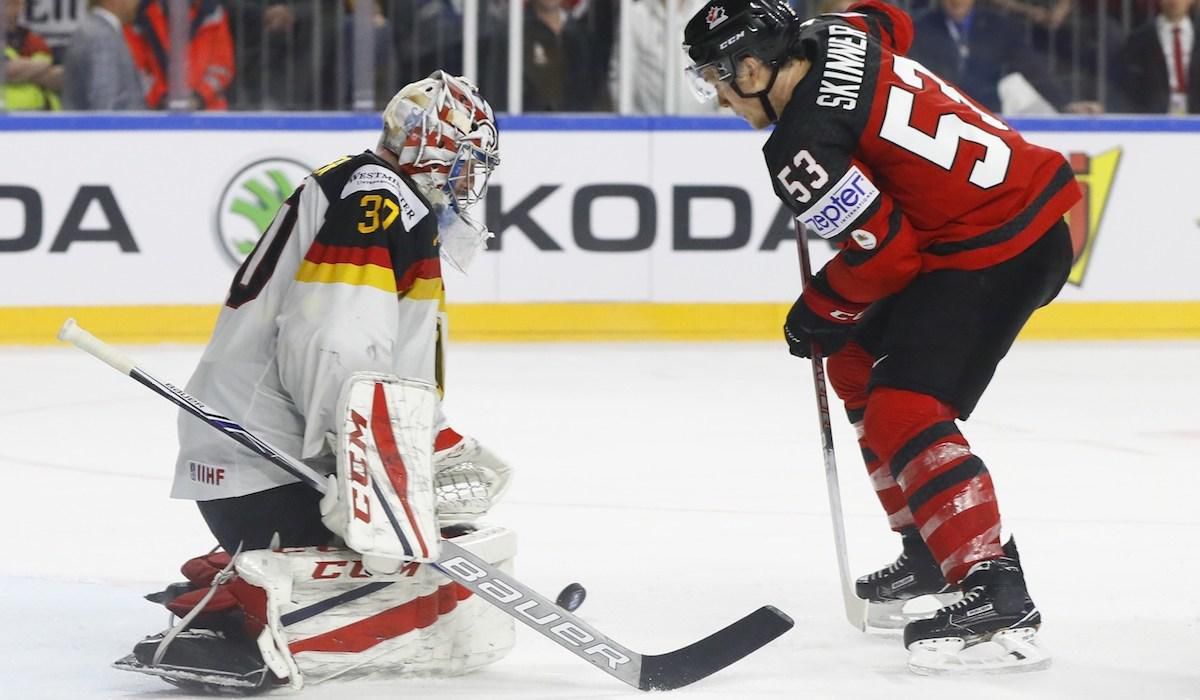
(370, 121)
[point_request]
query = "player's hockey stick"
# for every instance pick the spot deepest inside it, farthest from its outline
(856, 608)
(643, 671)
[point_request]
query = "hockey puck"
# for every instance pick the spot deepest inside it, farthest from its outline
(571, 597)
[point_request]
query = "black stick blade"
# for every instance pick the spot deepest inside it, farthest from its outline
(681, 667)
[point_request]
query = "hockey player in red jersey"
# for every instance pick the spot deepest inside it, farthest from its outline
(951, 233)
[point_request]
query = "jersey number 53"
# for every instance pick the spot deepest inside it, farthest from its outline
(802, 186)
(942, 147)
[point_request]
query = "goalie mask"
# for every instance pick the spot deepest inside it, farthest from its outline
(444, 134)
(724, 32)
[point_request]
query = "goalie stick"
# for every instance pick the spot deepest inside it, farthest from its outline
(855, 607)
(667, 671)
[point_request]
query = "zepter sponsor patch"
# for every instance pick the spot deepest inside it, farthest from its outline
(842, 204)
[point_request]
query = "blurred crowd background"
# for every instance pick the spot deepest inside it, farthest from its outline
(1019, 57)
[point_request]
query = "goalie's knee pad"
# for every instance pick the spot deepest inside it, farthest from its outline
(327, 616)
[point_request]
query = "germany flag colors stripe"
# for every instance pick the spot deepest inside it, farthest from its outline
(371, 267)
(330, 264)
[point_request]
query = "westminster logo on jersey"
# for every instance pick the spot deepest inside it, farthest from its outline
(1095, 175)
(250, 201)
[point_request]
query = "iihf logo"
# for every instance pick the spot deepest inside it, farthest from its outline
(716, 15)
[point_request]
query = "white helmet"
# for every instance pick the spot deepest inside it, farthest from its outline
(444, 134)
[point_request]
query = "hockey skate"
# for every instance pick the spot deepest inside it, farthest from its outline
(993, 629)
(203, 661)
(910, 588)
(209, 651)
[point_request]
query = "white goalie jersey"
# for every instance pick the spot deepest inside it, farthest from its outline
(347, 278)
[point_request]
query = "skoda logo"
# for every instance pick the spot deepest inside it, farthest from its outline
(250, 201)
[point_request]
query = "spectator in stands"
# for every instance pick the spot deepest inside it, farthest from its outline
(1076, 42)
(384, 52)
(653, 57)
(98, 70)
(276, 43)
(492, 68)
(55, 21)
(827, 6)
(210, 67)
(599, 19)
(1050, 15)
(1160, 70)
(427, 35)
(31, 80)
(561, 68)
(974, 47)
(265, 44)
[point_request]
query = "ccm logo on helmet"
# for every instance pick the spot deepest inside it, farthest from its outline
(731, 40)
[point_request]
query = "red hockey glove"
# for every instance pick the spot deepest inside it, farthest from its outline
(823, 318)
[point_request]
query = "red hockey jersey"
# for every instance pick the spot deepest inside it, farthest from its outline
(899, 167)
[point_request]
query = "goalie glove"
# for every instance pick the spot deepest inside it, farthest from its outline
(468, 478)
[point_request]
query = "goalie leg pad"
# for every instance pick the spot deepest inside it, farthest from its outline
(329, 617)
(384, 504)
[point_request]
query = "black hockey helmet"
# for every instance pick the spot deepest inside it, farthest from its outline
(724, 32)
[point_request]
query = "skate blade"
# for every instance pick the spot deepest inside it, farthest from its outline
(891, 617)
(1007, 651)
(177, 674)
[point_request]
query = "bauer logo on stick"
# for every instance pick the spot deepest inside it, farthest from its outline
(527, 607)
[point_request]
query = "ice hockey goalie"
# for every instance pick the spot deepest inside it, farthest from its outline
(330, 347)
(370, 605)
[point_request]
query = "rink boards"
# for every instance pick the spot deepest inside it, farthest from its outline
(606, 227)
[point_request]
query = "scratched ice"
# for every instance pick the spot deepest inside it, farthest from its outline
(683, 485)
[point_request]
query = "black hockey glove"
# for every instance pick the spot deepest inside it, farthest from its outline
(821, 318)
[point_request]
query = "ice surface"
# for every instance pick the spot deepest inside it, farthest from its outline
(683, 485)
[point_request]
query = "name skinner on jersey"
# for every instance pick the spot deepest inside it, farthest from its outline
(842, 77)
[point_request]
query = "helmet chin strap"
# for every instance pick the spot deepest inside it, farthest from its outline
(761, 94)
